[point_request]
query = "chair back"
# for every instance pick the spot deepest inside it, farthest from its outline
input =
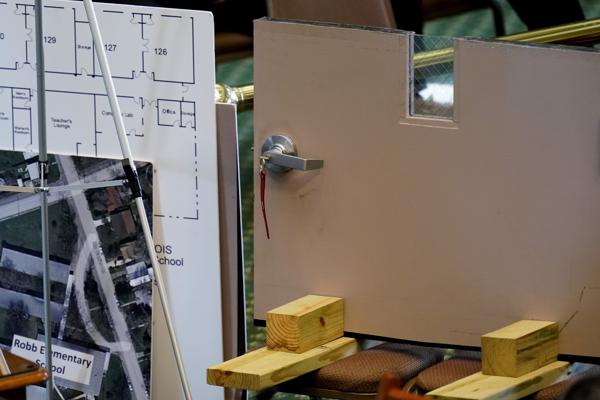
(378, 13)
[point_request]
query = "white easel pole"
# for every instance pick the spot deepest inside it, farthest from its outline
(132, 177)
(43, 166)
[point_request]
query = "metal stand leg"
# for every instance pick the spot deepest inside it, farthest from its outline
(43, 165)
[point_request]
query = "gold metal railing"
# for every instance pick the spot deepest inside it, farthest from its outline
(243, 96)
(578, 33)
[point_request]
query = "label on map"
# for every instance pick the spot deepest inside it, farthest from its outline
(66, 363)
(165, 253)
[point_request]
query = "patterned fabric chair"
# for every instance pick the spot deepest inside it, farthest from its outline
(357, 377)
(464, 363)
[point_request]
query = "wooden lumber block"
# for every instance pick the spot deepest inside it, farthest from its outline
(487, 387)
(305, 323)
(519, 348)
(263, 368)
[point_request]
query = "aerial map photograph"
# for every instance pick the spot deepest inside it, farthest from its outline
(101, 277)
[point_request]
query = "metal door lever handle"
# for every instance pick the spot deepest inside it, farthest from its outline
(284, 160)
(280, 155)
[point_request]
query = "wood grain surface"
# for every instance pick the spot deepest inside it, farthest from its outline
(305, 323)
(263, 368)
(487, 387)
(23, 373)
(519, 348)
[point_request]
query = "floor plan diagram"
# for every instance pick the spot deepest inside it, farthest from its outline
(144, 62)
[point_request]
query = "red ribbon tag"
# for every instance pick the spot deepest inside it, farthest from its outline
(263, 183)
